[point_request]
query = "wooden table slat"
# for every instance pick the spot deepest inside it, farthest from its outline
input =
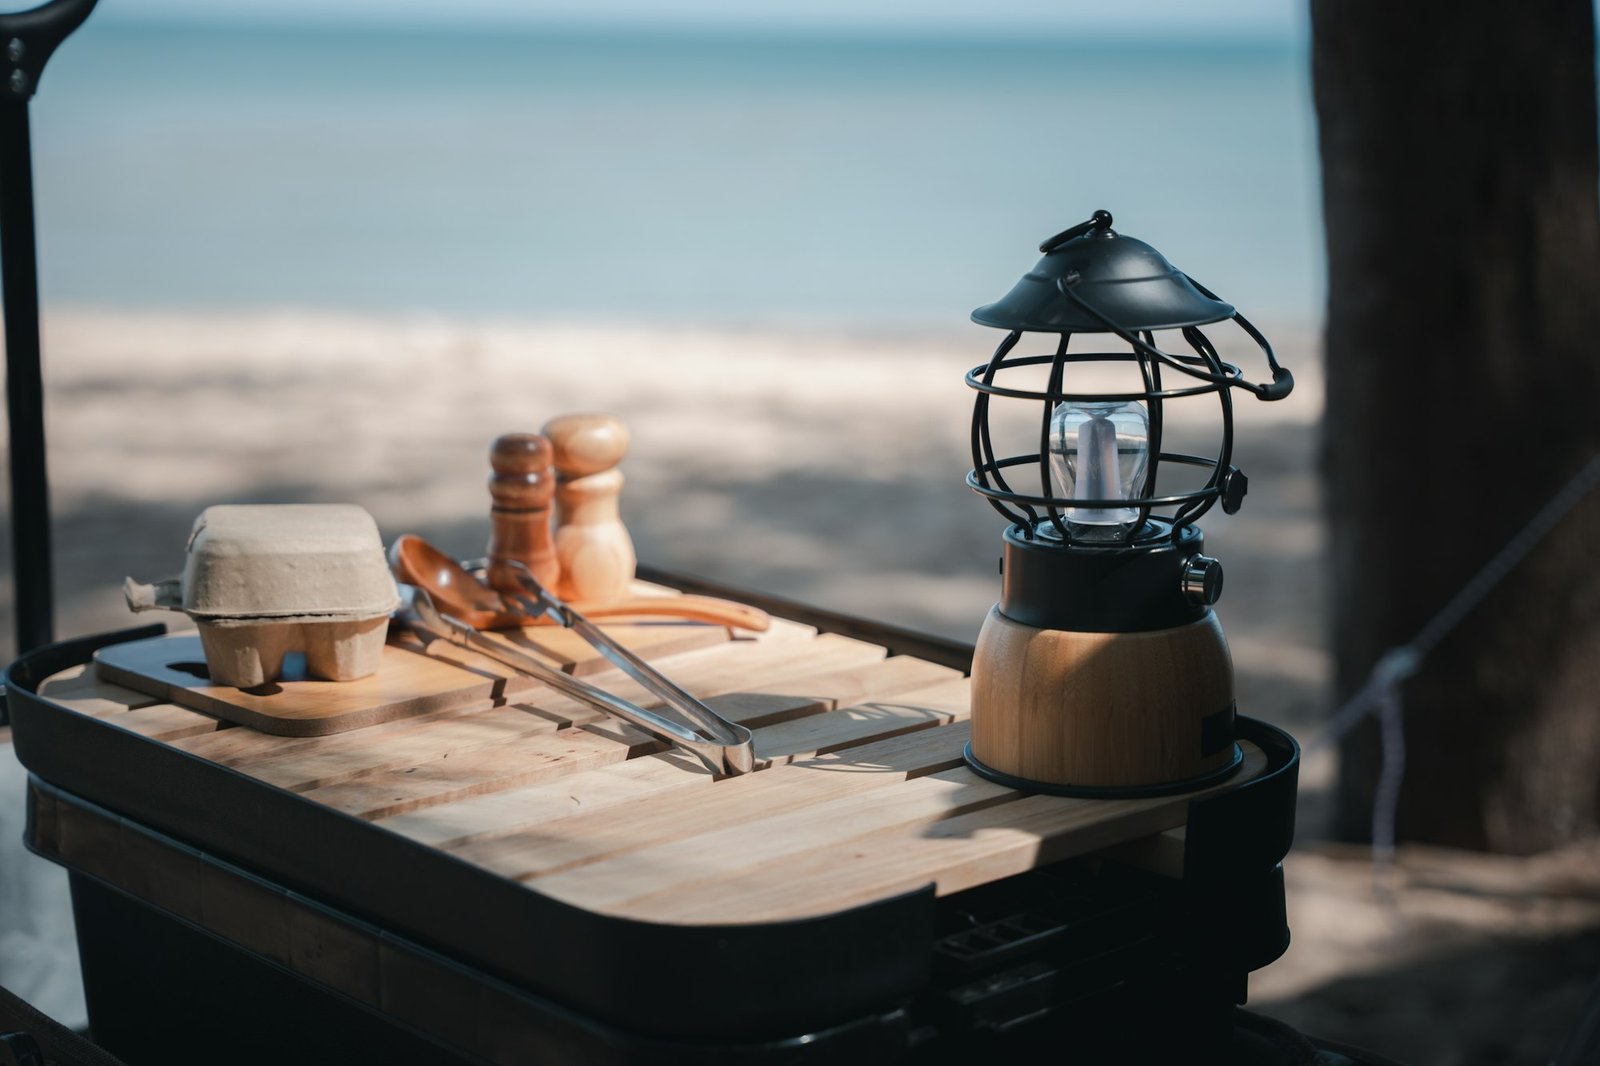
(79, 689)
(702, 809)
(649, 640)
(545, 756)
(165, 721)
(538, 709)
(874, 716)
(389, 774)
(954, 854)
(896, 702)
(770, 838)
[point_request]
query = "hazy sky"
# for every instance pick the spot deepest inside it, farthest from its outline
(1166, 18)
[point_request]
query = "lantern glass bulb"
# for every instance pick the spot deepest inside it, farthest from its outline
(1099, 451)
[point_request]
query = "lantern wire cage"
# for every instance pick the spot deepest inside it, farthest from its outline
(1032, 511)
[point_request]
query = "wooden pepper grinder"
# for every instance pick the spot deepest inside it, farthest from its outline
(593, 546)
(519, 529)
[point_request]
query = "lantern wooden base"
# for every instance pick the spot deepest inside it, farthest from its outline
(1102, 712)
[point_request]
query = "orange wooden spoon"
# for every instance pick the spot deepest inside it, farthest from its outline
(460, 593)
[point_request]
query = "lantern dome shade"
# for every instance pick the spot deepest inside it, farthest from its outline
(1122, 278)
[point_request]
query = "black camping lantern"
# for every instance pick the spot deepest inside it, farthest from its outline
(1103, 670)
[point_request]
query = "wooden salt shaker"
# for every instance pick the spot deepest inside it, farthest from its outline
(519, 529)
(594, 549)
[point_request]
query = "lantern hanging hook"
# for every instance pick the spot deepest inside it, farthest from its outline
(1099, 220)
(1282, 380)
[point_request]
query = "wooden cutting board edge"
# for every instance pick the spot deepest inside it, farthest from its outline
(146, 666)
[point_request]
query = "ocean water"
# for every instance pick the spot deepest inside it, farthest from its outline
(710, 179)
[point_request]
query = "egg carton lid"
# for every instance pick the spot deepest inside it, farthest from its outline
(270, 561)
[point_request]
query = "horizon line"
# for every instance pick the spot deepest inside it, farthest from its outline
(943, 32)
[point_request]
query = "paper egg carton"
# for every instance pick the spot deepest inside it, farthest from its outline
(264, 580)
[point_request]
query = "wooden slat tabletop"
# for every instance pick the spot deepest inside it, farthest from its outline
(860, 793)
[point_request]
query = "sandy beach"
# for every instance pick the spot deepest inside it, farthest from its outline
(823, 466)
(814, 464)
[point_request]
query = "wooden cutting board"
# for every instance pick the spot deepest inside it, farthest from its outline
(173, 668)
(408, 683)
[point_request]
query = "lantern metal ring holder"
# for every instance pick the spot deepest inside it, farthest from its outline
(1088, 614)
(1226, 481)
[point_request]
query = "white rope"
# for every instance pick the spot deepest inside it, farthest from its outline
(1386, 797)
(1380, 693)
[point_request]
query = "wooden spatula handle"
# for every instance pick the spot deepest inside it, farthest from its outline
(692, 608)
(689, 608)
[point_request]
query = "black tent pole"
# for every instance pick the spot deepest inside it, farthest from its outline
(30, 489)
(27, 40)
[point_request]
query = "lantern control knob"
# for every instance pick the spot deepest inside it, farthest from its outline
(1202, 580)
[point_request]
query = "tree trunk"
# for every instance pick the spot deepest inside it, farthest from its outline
(1460, 178)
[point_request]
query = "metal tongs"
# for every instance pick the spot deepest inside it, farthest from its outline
(723, 746)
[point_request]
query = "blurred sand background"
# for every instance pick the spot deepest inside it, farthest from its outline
(822, 466)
